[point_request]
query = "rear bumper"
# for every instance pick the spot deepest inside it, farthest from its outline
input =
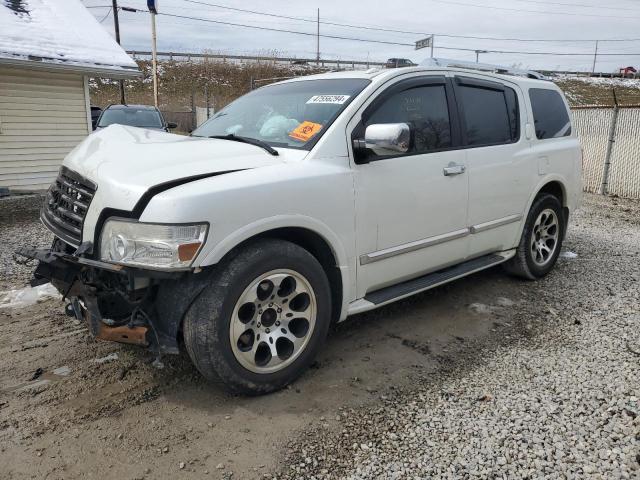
(122, 304)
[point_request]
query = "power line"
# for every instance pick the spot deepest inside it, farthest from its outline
(336, 37)
(296, 32)
(410, 32)
(582, 5)
(251, 11)
(544, 12)
(108, 13)
(390, 30)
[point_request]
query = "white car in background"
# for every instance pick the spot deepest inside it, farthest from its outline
(307, 201)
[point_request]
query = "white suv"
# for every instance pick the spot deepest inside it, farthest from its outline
(304, 202)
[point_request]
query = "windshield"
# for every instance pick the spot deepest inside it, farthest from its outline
(294, 114)
(135, 117)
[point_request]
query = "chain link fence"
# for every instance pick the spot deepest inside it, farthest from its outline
(610, 137)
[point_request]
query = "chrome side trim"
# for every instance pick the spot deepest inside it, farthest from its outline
(413, 246)
(438, 239)
(483, 227)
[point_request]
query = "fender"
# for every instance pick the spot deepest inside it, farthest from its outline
(543, 181)
(144, 200)
(345, 262)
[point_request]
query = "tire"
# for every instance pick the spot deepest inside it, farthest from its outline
(528, 262)
(235, 300)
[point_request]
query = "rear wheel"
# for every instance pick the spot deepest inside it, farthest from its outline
(541, 239)
(262, 319)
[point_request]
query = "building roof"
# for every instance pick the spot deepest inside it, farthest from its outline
(62, 35)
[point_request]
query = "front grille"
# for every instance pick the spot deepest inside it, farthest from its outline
(66, 205)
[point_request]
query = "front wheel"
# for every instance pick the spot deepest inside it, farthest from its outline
(541, 239)
(262, 319)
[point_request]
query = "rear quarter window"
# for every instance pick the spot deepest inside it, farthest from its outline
(550, 114)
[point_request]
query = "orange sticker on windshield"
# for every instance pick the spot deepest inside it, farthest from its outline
(305, 131)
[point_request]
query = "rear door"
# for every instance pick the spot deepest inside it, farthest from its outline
(499, 159)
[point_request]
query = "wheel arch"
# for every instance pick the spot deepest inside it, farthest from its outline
(553, 184)
(320, 242)
(558, 189)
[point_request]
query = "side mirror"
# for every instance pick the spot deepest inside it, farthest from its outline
(172, 125)
(387, 138)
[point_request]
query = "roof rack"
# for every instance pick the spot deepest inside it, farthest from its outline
(483, 67)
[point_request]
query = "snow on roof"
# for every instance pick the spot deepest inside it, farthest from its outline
(59, 34)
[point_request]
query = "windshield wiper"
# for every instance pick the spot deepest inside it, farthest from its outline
(250, 141)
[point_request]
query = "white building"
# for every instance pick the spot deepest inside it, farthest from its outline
(48, 50)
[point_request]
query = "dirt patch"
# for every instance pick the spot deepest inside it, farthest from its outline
(126, 416)
(103, 409)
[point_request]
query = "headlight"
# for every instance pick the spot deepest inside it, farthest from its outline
(151, 245)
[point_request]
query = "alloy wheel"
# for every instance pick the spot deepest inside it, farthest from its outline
(544, 237)
(273, 321)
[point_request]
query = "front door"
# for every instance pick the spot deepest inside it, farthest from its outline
(411, 209)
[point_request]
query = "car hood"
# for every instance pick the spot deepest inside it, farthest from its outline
(125, 162)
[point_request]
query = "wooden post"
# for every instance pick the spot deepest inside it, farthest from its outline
(194, 120)
(206, 99)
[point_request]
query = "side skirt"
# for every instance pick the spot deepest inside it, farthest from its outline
(405, 289)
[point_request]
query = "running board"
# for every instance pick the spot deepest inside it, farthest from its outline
(434, 279)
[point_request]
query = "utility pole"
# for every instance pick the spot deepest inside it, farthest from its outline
(433, 39)
(318, 40)
(116, 26)
(154, 56)
(595, 58)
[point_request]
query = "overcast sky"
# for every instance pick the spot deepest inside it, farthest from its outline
(558, 19)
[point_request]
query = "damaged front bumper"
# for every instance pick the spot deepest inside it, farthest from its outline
(122, 304)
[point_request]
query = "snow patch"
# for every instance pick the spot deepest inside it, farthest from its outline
(505, 302)
(109, 358)
(63, 32)
(603, 81)
(62, 371)
(568, 254)
(25, 297)
(480, 308)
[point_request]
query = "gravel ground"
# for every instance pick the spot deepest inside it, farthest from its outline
(557, 397)
(19, 228)
(487, 377)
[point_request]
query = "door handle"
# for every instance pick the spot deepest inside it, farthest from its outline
(453, 170)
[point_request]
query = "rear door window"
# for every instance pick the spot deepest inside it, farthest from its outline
(489, 112)
(549, 114)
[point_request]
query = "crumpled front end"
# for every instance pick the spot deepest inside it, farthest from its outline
(122, 304)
